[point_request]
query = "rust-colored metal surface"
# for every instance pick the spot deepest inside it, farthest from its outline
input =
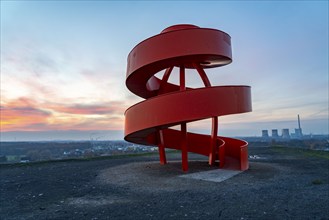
(166, 105)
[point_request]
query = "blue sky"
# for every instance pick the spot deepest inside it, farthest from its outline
(63, 63)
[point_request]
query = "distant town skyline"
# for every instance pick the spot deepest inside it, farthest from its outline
(63, 64)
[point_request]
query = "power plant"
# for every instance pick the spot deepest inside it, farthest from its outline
(285, 134)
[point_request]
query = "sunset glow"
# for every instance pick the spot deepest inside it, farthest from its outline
(26, 114)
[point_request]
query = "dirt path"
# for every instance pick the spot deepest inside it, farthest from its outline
(280, 184)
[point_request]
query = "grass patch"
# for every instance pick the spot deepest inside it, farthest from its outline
(118, 156)
(302, 152)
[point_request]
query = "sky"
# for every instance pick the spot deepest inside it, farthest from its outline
(63, 64)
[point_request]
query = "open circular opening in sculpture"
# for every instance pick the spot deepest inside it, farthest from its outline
(179, 27)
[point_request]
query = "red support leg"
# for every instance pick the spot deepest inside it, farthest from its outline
(221, 152)
(161, 146)
(202, 74)
(165, 80)
(213, 141)
(214, 129)
(184, 147)
(183, 125)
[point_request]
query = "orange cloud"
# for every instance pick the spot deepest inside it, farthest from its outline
(19, 113)
(104, 109)
(26, 114)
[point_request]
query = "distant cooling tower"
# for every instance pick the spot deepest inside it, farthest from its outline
(275, 133)
(264, 133)
(285, 133)
(298, 132)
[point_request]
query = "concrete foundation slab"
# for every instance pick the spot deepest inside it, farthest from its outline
(218, 175)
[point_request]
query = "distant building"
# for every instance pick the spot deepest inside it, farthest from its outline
(298, 131)
(265, 134)
(25, 159)
(275, 133)
(285, 133)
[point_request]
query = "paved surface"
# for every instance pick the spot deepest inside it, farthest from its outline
(217, 175)
(280, 184)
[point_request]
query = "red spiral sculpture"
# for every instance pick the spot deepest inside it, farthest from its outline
(167, 104)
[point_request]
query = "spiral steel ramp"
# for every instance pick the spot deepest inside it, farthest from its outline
(167, 104)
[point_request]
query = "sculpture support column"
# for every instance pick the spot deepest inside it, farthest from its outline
(161, 146)
(183, 125)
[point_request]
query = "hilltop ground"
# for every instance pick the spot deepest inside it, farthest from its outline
(281, 183)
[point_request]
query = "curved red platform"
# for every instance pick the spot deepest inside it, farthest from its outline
(167, 105)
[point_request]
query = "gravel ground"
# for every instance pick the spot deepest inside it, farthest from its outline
(280, 184)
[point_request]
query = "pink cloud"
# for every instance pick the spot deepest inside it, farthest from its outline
(26, 114)
(20, 113)
(85, 109)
